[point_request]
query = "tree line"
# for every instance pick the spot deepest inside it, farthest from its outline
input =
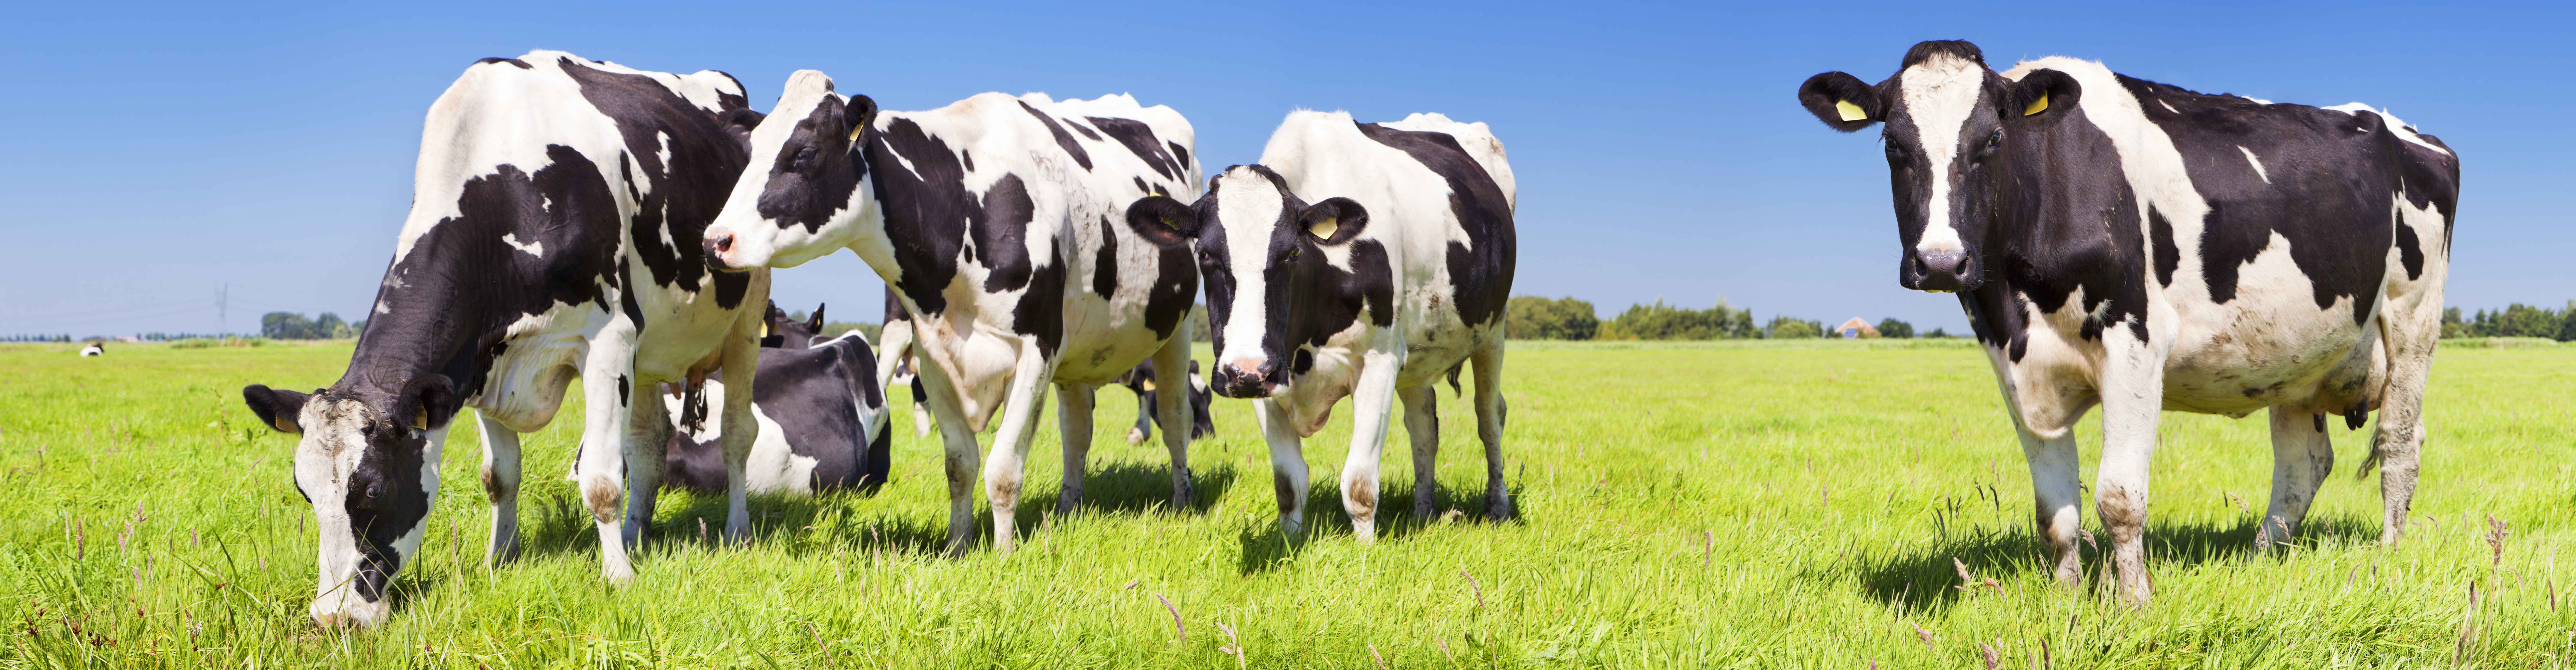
(2516, 320)
(1537, 318)
(294, 326)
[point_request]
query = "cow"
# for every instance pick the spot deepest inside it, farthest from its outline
(93, 349)
(994, 219)
(1141, 382)
(1411, 225)
(2121, 242)
(556, 207)
(894, 361)
(821, 413)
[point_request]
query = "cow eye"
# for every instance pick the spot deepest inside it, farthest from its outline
(804, 157)
(1895, 151)
(1993, 142)
(375, 489)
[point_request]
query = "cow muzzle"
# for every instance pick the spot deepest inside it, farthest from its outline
(1940, 270)
(718, 247)
(1246, 378)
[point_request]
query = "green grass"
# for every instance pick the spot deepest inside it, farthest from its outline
(1749, 505)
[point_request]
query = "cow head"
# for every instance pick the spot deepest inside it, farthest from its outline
(1951, 124)
(1279, 272)
(790, 333)
(366, 460)
(806, 183)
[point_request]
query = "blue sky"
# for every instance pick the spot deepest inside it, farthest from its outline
(155, 153)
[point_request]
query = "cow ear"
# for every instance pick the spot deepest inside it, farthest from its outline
(2043, 95)
(740, 122)
(1163, 221)
(858, 116)
(815, 322)
(280, 409)
(426, 403)
(1333, 221)
(1842, 101)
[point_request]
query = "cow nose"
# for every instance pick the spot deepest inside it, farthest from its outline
(716, 248)
(1242, 378)
(1939, 269)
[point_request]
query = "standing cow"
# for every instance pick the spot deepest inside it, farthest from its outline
(539, 247)
(1412, 264)
(995, 219)
(1140, 381)
(2144, 247)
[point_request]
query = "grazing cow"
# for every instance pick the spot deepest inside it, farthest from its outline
(1141, 382)
(821, 414)
(539, 247)
(1413, 260)
(94, 349)
(2144, 247)
(995, 220)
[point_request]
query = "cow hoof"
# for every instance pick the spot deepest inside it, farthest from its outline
(1500, 509)
(1065, 504)
(617, 574)
(1135, 437)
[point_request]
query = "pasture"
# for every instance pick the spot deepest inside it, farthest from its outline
(1744, 504)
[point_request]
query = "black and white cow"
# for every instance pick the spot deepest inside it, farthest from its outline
(1141, 382)
(2121, 242)
(894, 361)
(995, 219)
(1412, 262)
(553, 233)
(93, 349)
(821, 413)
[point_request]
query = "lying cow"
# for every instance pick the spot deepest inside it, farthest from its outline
(93, 349)
(2144, 247)
(1141, 382)
(535, 252)
(821, 414)
(1412, 262)
(994, 218)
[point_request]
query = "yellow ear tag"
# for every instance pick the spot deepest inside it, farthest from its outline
(420, 420)
(1323, 230)
(1167, 223)
(854, 132)
(284, 426)
(1851, 112)
(1149, 385)
(2036, 106)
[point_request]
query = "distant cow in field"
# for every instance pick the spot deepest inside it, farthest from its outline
(539, 248)
(1393, 277)
(1141, 382)
(994, 219)
(2144, 247)
(94, 349)
(822, 418)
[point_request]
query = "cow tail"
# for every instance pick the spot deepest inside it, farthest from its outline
(1453, 379)
(2372, 462)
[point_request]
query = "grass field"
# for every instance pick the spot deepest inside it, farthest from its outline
(1750, 505)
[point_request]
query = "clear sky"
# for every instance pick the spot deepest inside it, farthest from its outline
(155, 153)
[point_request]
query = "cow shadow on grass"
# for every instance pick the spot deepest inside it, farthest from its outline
(1134, 489)
(1928, 580)
(1266, 547)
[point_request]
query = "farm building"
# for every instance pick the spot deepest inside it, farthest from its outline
(1855, 329)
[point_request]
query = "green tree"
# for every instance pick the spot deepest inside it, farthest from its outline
(2451, 324)
(284, 326)
(1890, 327)
(1660, 321)
(1788, 327)
(1535, 318)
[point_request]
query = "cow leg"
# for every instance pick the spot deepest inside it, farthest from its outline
(1489, 429)
(609, 390)
(740, 428)
(647, 457)
(1004, 464)
(1171, 400)
(501, 485)
(2410, 330)
(2302, 455)
(1422, 425)
(1287, 464)
(921, 414)
(2132, 387)
(1144, 428)
(931, 386)
(1073, 421)
(1372, 400)
(2055, 494)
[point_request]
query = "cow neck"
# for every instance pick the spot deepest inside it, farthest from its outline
(435, 332)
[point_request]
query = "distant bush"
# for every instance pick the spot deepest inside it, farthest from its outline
(871, 331)
(293, 326)
(1665, 322)
(2516, 320)
(1792, 327)
(1892, 328)
(212, 342)
(1535, 318)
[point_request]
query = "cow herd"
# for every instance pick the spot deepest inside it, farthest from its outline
(2114, 242)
